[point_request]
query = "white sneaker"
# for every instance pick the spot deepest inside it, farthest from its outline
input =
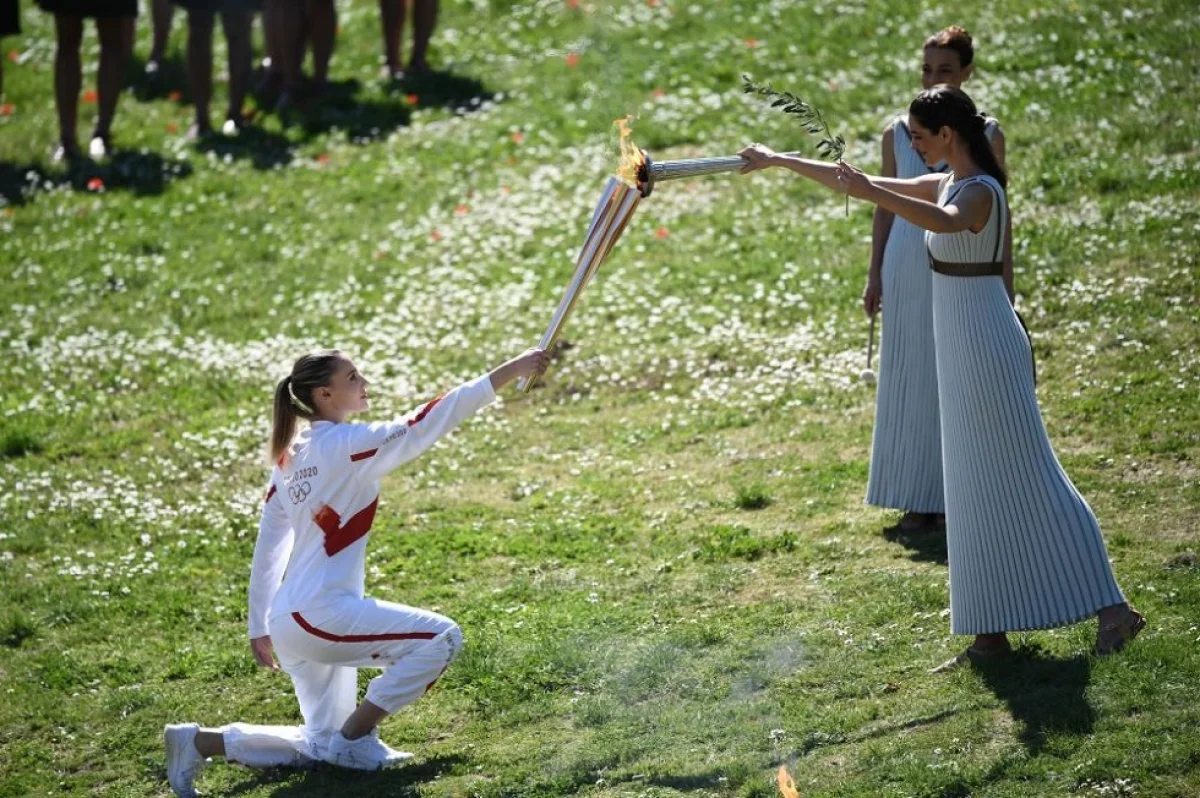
(365, 753)
(184, 762)
(98, 147)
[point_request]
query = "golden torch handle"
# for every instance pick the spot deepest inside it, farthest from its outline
(612, 213)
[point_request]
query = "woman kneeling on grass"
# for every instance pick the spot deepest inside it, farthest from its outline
(1025, 549)
(307, 577)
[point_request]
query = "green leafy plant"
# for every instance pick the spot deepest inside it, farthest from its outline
(829, 146)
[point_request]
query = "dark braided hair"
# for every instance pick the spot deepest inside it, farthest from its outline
(947, 106)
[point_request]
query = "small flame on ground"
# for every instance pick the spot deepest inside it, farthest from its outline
(787, 787)
(632, 159)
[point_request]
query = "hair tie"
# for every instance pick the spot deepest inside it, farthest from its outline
(296, 401)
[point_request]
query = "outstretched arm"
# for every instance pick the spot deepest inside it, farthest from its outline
(969, 210)
(759, 157)
(379, 448)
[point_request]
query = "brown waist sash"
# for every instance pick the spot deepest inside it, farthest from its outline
(994, 269)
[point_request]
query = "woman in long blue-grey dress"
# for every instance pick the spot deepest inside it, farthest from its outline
(1025, 549)
(906, 443)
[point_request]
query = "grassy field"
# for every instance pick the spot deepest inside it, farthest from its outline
(667, 579)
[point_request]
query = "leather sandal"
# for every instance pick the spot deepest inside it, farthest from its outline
(1112, 637)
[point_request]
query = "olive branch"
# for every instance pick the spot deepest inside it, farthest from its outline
(830, 146)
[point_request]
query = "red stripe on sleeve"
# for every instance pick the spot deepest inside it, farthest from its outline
(419, 417)
(321, 633)
(270, 493)
(354, 458)
(338, 537)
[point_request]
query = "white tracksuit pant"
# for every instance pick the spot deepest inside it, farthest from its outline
(322, 650)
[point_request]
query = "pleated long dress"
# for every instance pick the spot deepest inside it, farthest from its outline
(1025, 549)
(906, 444)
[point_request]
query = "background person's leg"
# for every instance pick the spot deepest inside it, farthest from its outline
(199, 67)
(237, 40)
(68, 78)
(323, 32)
(161, 14)
(391, 15)
(116, 41)
(424, 21)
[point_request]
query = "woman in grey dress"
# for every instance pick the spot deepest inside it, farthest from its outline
(1025, 549)
(906, 444)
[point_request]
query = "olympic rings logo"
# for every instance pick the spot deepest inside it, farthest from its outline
(299, 493)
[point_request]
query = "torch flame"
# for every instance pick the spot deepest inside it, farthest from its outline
(632, 159)
(787, 787)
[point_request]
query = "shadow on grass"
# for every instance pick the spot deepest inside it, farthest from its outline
(264, 149)
(170, 77)
(340, 107)
(925, 545)
(326, 780)
(142, 173)
(435, 89)
(1046, 695)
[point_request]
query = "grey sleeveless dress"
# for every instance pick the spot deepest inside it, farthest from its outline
(906, 444)
(1025, 549)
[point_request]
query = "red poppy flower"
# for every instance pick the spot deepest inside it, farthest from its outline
(573, 59)
(661, 232)
(89, 96)
(435, 236)
(14, 56)
(175, 96)
(95, 184)
(518, 137)
(7, 109)
(462, 210)
(412, 99)
(323, 158)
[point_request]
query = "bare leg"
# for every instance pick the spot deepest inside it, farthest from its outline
(116, 39)
(161, 13)
(424, 20)
(199, 64)
(210, 742)
(67, 80)
(323, 16)
(366, 717)
(991, 643)
(391, 14)
(237, 41)
(270, 26)
(286, 30)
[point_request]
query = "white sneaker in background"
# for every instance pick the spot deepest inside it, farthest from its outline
(365, 753)
(183, 760)
(98, 147)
